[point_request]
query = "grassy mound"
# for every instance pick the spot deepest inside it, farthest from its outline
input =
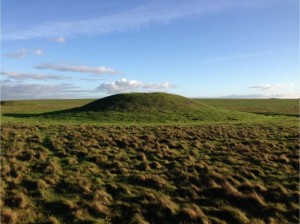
(141, 102)
(147, 108)
(142, 108)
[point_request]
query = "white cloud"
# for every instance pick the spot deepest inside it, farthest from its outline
(21, 53)
(78, 68)
(59, 40)
(271, 87)
(155, 12)
(26, 76)
(125, 85)
(38, 52)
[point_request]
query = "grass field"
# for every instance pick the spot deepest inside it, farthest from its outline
(88, 170)
(260, 106)
(207, 110)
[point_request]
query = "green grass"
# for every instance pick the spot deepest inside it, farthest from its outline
(40, 106)
(143, 102)
(260, 106)
(149, 158)
(154, 108)
(149, 174)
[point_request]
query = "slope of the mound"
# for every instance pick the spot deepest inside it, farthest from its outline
(141, 102)
(146, 108)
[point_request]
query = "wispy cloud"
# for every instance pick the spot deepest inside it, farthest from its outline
(12, 91)
(263, 96)
(101, 70)
(59, 40)
(26, 76)
(155, 12)
(125, 85)
(21, 53)
(271, 87)
(238, 56)
(38, 52)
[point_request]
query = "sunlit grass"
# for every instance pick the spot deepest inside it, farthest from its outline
(149, 174)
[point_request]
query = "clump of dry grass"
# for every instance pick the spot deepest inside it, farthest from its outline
(8, 216)
(97, 208)
(155, 165)
(53, 167)
(138, 219)
(53, 220)
(255, 200)
(230, 190)
(159, 205)
(103, 196)
(84, 184)
(232, 215)
(153, 181)
(192, 213)
(17, 200)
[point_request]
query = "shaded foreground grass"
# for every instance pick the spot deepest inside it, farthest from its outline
(142, 174)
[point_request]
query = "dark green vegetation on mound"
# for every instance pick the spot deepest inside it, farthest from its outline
(160, 174)
(142, 102)
(148, 108)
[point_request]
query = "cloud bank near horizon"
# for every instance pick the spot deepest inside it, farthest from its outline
(22, 91)
(271, 87)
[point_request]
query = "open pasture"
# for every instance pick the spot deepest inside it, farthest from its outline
(232, 165)
(203, 111)
(289, 107)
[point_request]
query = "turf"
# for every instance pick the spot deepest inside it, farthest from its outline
(143, 102)
(259, 106)
(144, 158)
(149, 174)
(133, 108)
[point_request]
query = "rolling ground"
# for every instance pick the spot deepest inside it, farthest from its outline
(204, 167)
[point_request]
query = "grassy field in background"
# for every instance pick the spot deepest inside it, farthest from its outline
(284, 110)
(247, 105)
(240, 164)
(263, 106)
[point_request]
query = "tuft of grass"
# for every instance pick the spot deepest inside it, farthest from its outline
(233, 215)
(97, 208)
(18, 200)
(53, 220)
(101, 195)
(8, 216)
(138, 219)
(192, 213)
(154, 181)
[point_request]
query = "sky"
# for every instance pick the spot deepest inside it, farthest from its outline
(196, 48)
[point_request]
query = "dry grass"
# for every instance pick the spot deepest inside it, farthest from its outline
(155, 174)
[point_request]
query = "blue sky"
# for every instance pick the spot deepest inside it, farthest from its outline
(196, 48)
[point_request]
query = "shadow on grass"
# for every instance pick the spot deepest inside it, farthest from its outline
(277, 114)
(18, 115)
(40, 115)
